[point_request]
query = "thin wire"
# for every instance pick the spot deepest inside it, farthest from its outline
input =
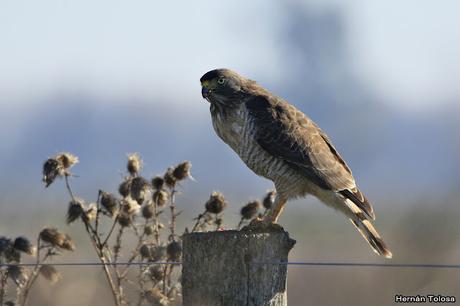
(295, 263)
(366, 264)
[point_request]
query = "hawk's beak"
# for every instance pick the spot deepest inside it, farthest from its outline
(204, 92)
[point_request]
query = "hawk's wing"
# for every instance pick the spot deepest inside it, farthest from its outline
(287, 133)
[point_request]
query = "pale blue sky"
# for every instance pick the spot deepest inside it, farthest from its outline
(407, 51)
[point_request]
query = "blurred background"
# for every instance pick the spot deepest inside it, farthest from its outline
(105, 78)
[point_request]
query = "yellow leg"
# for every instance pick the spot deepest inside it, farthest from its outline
(276, 210)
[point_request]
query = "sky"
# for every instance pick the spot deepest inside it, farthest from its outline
(407, 51)
(105, 78)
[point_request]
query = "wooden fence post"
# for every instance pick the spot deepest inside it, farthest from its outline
(227, 267)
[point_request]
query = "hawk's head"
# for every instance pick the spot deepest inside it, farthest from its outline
(223, 86)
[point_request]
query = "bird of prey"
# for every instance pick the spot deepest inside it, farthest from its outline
(280, 143)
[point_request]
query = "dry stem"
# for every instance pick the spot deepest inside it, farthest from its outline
(4, 279)
(98, 247)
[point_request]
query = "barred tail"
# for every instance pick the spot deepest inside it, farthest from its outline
(369, 233)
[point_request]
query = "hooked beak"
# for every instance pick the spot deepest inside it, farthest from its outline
(204, 92)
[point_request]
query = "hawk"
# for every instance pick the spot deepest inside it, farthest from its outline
(277, 141)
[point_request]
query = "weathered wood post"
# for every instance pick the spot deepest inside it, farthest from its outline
(230, 267)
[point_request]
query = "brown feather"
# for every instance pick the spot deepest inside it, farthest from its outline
(369, 233)
(285, 132)
(360, 200)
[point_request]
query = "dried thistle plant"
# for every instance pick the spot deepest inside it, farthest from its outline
(269, 200)
(212, 215)
(145, 211)
(14, 275)
(58, 166)
(139, 212)
(249, 212)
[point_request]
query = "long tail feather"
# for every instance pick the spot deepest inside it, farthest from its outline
(371, 235)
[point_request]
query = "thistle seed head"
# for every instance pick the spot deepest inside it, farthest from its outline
(51, 170)
(269, 199)
(139, 187)
(182, 171)
(129, 206)
(57, 239)
(134, 163)
(158, 182)
(12, 255)
(68, 244)
(90, 213)
(5, 244)
(160, 197)
(124, 219)
(50, 273)
(216, 203)
(75, 210)
(125, 188)
(174, 251)
(52, 236)
(144, 250)
(157, 253)
(17, 274)
(149, 230)
(8, 251)
(109, 202)
(67, 160)
(170, 179)
(250, 210)
(148, 211)
(23, 244)
(57, 166)
(156, 273)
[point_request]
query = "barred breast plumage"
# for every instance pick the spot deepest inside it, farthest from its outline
(237, 129)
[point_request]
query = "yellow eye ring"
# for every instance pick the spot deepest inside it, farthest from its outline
(221, 81)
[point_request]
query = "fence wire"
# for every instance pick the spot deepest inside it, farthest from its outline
(288, 263)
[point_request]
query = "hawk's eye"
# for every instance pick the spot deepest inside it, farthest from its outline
(221, 81)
